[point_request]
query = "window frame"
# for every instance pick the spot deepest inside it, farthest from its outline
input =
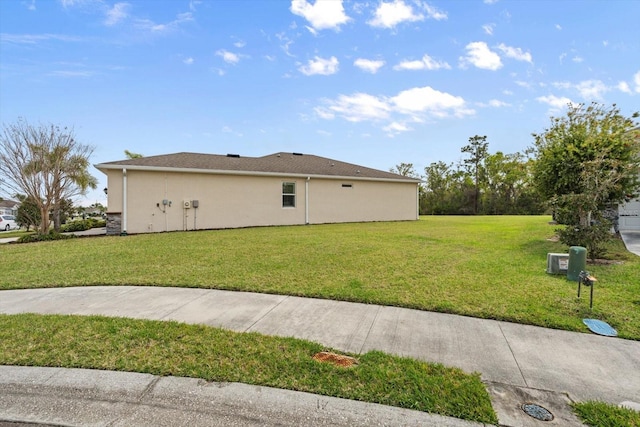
(288, 196)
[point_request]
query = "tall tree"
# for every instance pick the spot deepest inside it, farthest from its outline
(47, 164)
(478, 151)
(404, 169)
(587, 161)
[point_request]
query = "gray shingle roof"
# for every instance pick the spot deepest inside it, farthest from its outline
(277, 163)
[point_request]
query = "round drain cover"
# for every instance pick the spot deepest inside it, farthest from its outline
(537, 412)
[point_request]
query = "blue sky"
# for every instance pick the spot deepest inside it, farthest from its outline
(371, 82)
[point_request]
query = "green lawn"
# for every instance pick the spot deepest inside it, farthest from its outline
(490, 267)
(170, 348)
(600, 414)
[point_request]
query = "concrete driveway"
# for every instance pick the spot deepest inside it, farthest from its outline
(631, 240)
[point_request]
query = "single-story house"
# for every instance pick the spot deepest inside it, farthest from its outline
(9, 207)
(189, 191)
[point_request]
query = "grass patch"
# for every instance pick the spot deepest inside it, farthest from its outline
(488, 267)
(171, 348)
(600, 414)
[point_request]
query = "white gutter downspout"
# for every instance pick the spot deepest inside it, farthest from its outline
(306, 200)
(124, 202)
(418, 202)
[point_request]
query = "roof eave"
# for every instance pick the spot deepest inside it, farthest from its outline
(104, 166)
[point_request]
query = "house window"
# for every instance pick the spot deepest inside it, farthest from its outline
(288, 194)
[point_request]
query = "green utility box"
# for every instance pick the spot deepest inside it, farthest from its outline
(577, 262)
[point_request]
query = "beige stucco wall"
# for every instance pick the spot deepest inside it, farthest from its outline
(231, 201)
(330, 202)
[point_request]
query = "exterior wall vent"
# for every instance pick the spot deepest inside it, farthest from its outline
(187, 204)
(233, 155)
(297, 154)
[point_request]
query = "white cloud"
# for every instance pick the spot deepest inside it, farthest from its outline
(286, 43)
(414, 105)
(591, 89)
(321, 66)
(515, 53)
(116, 14)
(490, 1)
(577, 59)
(497, 103)
(428, 100)
(558, 27)
(188, 61)
(356, 108)
(395, 128)
(426, 63)
(71, 74)
(479, 55)
(388, 15)
(74, 3)
(557, 103)
(324, 14)
(624, 87)
(369, 65)
(488, 28)
(588, 89)
(433, 12)
(324, 113)
(148, 25)
(36, 38)
(228, 57)
(562, 85)
(240, 44)
(507, 92)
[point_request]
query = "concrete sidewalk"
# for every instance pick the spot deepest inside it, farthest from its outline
(519, 363)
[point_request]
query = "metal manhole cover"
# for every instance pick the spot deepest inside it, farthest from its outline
(537, 412)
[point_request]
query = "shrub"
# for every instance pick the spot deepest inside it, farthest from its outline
(37, 237)
(82, 225)
(594, 238)
(96, 222)
(74, 226)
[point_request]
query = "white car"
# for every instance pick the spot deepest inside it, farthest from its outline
(8, 222)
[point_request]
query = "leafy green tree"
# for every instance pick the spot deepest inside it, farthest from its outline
(46, 163)
(404, 169)
(28, 214)
(478, 151)
(437, 188)
(508, 187)
(587, 161)
(132, 155)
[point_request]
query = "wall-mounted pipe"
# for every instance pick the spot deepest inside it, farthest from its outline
(306, 200)
(123, 232)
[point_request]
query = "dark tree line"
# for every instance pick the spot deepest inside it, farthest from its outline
(482, 183)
